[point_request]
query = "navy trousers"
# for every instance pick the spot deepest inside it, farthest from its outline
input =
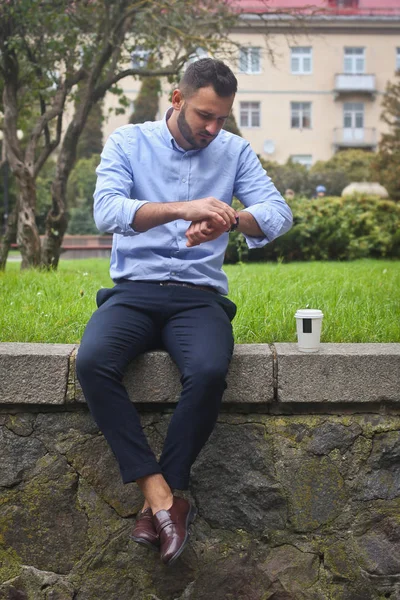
(194, 326)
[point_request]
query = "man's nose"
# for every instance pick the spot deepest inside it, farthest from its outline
(213, 127)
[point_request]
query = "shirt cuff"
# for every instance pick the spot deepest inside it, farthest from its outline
(127, 214)
(269, 221)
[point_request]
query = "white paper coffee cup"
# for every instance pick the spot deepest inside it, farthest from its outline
(308, 323)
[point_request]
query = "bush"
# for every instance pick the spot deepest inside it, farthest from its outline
(335, 174)
(81, 185)
(332, 228)
(43, 194)
(289, 176)
(237, 250)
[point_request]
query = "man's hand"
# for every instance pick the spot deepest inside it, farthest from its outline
(209, 210)
(204, 231)
(210, 229)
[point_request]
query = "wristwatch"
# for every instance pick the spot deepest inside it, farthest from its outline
(235, 225)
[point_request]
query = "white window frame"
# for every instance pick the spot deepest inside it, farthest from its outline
(198, 54)
(355, 111)
(139, 58)
(301, 60)
(246, 63)
(346, 3)
(302, 159)
(302, 110)
(354, 60)
(252, 112)
(397, 59)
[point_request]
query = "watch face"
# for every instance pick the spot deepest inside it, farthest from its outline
(235, 225)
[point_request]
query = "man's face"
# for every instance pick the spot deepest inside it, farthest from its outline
(202, 117)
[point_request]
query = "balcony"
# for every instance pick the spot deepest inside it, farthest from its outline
(354, 138)
(349, 83)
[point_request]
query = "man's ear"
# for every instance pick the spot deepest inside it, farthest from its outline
(177, 99)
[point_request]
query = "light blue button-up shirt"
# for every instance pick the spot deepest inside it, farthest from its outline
(143, 163)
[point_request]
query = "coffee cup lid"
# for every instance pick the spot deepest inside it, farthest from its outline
(308, 313)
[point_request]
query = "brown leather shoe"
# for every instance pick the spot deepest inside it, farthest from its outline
(172, 527)
(144, 531)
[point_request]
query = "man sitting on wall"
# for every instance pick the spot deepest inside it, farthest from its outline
(165, 190)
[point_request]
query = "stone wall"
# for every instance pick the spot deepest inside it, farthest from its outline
(298, 489)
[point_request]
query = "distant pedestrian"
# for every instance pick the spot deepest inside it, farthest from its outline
(320, 191)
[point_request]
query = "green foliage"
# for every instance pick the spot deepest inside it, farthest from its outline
(386, 165)
(333, 228)
(355, 163)
(82, 181)
(81, 186)
(291, 176)
(39, 48)
(91, 138)
(81, 220)
(146, 103)
(43, 193)
(237, 250)
(335, 174)
(335, 180)
(343, 168)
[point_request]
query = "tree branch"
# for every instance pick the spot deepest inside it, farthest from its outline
(101, 89)
(49, 148)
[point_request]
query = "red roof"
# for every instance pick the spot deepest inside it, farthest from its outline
(327, 7)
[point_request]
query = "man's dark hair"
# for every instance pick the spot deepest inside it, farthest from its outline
(206, 72)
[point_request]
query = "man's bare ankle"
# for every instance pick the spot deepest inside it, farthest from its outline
(162, 504)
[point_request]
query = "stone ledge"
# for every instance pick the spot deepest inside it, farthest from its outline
(154, 377)
(339, 373)
(34, 373)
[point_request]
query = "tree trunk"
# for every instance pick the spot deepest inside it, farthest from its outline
(28, 239)
(56, 225)
(57, 220)
(8, 237)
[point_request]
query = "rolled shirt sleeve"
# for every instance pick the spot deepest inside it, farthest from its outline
(260, 197)
(114, 209)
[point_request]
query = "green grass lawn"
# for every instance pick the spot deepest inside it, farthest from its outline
(360, 300)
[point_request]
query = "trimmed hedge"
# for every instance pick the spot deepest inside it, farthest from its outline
(330, 228)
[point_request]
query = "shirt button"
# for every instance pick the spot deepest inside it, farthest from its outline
(183, 180)
(173, 273)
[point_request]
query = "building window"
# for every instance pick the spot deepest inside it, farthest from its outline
(139, 58)
(353, 115)
(300, 115)
(250, 114)
(354, 60)
(301, 60)
(249, 60)
(343, 3)
(397, 59)
(302, 159)
(197, 55)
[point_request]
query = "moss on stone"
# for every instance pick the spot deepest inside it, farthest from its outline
(317, 493)
(10, 564)
(339, 559)
(373, 424)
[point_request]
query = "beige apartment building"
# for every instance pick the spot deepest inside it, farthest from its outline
(324, 89)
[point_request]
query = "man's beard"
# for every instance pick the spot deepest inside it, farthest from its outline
(187, 133)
